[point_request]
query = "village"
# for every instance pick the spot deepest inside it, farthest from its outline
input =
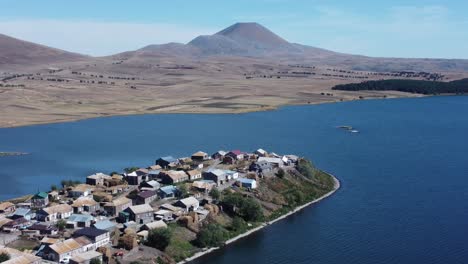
(108, 218)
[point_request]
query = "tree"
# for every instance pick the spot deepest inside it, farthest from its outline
(53, 187)
(4, 257)
(245, 207)
(212, 235)
(183, 191)
(159, 238)
(61, 224)
(215, 194)
(95, 261)
(131, 169)
(238, 225)
(280, 174)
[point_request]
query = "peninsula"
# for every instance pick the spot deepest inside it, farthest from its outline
(244, 67)
(172, 211)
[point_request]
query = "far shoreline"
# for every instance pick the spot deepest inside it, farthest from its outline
(219, 112)
(337, 185)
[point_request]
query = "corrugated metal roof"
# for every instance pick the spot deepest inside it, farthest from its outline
(80, 218)
(65, 246)
(105, 225)
(140, 209)
(156, 224)
(86, 256)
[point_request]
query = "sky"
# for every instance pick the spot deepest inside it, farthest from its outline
(396, 28)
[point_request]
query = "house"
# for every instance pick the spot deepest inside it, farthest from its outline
(231, 175)
(188, 204)
(203, 185)
(167, 162)
(54, 213)
(291, 159)
(146, 197)
(136, 177)
(16, 224)
(276, 162)
(261, 152)
(154, 225)
(154, 174)
(79, 220)
(154, 167)
(116, 206)
(63, 250)
(81, 190)
(247, 183)
(219, 155)
(98, 237)
(98, 179)
(27, 213)
(169, 191)
(44, 229)
(150, 185)
(141, 214)
(216, 175)
(261, 167)
(54, 196)
(40, 200)
(200, 156)
(105, 225)
(235, 154)
(7, 208)
(85, 204)
(172, 176)
(86, 257)
(164, 215)
(194, 174)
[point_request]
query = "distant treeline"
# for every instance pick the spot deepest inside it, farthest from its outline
(409, 86)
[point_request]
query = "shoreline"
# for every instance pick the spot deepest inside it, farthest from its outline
(218, 111)
(207, 251)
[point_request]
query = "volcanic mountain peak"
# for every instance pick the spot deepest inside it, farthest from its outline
(253, 32)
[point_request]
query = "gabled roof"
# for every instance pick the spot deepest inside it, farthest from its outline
(140, 209)
(169, 159)
(193, 172)
(89, 232)
(270, 160)
(98, 176)
(168, 189)
(119, 201)
(217, 172)
(199, 154)
(86, 256)
(220, 152)
(245, 180)
(236, 152)
(40, 195)
(65, 246)
(59, 208)
(155, 224)
(80, 218)
(82, 188)
(5, 205)
(84, 201)
(147, 194)
(175, 175)
(104, 224)
(189, 201)
(22, 211)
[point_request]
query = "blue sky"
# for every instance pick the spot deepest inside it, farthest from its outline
(376, 28)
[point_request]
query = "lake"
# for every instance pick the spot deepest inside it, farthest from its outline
(404, 194)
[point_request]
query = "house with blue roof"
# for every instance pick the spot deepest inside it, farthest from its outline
(169, 191)
(79, 220)
(105, 225)
(247, 183)
(27, 213)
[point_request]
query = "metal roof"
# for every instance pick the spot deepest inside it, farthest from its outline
(140, 209)
(80, 218)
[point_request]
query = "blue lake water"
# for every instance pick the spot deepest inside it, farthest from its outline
(404, 195)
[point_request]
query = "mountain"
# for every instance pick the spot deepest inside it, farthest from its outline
(244, 39)
(19, 52)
